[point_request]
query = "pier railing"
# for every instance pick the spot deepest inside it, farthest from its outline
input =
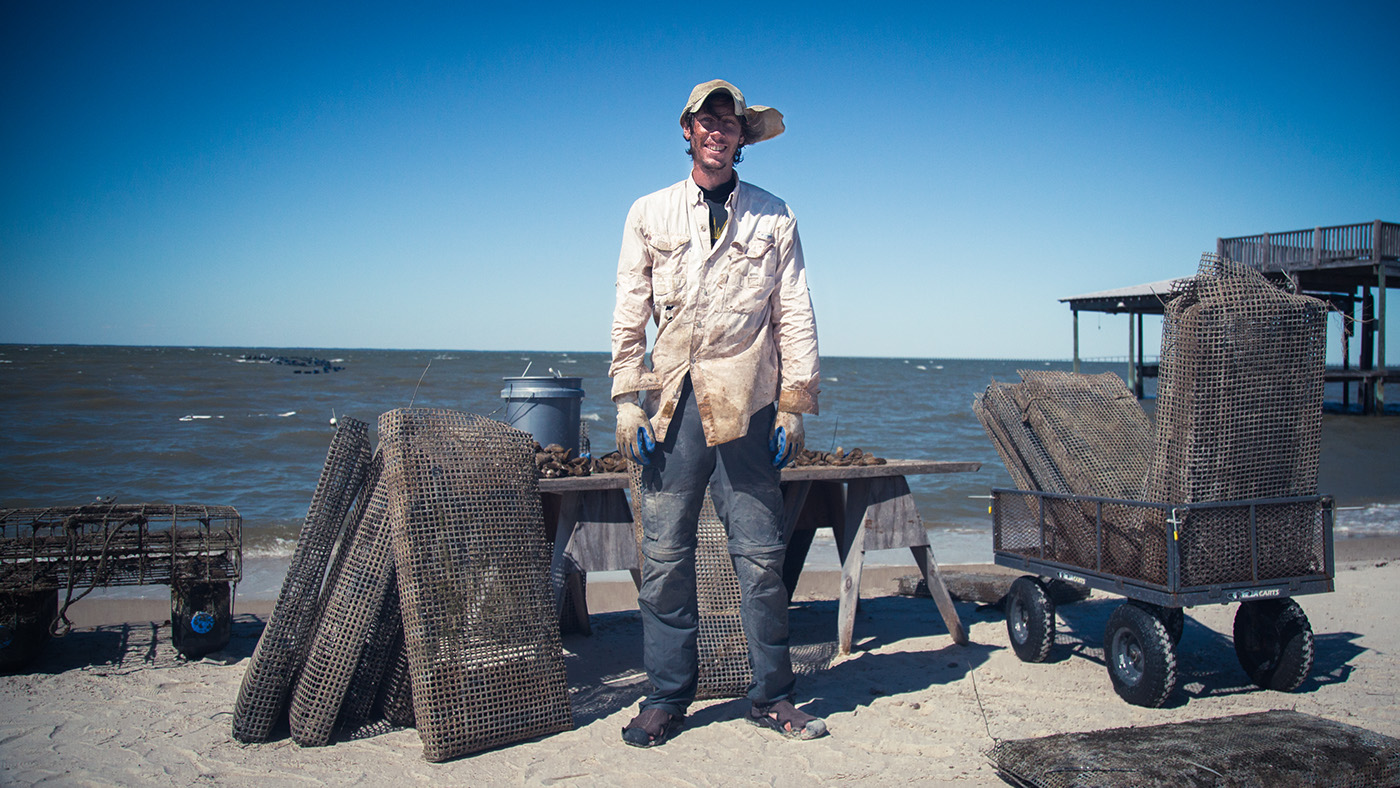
(1320, 247)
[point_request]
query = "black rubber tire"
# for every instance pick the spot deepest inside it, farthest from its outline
(1030, 619)
(26, 619)
(201, 620)
(1274, 643)
(1140, 656)
(1173, 618)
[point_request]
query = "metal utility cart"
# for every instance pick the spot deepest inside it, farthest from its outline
(196, 550)
(1162, 558)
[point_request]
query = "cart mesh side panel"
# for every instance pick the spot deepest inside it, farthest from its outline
(481, 631)
(724, 670)
(351, 605)
(1239, 411)
(1214, 543)
(1273, 748)
(282, 648)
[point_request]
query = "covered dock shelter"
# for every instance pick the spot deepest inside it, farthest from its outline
(1134, 301)
(1349, 266)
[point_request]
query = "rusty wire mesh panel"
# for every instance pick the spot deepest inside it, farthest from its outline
(1075, 434)
(1239, 405)
(359, 713)
(84, 547)
(281, 650)
(480, 627)
(1092, 427)
(396, 692)
(1273, 748)
(350, 605)
(1016, 524)
(722, 646)
(1020, 448)
(1215, 543)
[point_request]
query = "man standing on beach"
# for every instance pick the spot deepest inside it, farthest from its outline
(716, 263)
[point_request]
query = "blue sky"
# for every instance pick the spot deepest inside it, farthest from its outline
(283, 175)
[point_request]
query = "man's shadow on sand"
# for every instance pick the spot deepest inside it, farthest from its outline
(607, 674)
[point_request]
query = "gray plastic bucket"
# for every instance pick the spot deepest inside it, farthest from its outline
(546, 407)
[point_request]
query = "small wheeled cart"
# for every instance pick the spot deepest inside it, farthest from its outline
(54, 554)
(1162, 558)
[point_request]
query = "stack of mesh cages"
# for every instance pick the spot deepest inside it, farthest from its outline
(427, 605)
(66, 552)
(1218, 503)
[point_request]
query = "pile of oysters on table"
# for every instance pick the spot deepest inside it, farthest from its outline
(840, 457)
(555, 461)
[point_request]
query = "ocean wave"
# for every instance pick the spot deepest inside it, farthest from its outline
(1377, 519)
(198, 417)
(275, 547)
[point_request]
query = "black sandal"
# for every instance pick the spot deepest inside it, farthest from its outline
(651, 728)
(788, 720)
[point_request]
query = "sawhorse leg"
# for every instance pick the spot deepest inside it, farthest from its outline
(881, 515)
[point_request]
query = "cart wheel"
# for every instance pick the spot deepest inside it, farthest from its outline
(1140, 656)
(1274, 642)
(25, 619)
(200, 619)
(1030, 619)
(1173, 618)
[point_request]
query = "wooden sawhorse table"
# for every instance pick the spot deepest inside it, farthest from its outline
(869, 507)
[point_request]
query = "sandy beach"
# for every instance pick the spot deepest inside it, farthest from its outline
(113, 703)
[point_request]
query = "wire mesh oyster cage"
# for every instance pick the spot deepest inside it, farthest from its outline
(118, 545)
(195, 549)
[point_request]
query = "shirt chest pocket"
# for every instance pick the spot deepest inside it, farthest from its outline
(751, 279)
(667, 253)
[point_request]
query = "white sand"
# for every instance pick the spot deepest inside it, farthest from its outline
(115, 705)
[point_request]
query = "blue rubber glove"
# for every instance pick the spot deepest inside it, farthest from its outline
(646, 444)
(778, 445)
(635, 440)
(787, 439)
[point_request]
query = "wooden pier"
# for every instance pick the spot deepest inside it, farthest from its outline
(1348, 266)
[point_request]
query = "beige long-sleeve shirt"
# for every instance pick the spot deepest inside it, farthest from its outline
(735, 316)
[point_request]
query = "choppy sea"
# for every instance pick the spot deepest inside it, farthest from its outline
(228, 426)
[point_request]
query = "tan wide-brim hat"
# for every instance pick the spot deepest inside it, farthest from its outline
(765, 123)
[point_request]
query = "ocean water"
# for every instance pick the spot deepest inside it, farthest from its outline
(206, 425)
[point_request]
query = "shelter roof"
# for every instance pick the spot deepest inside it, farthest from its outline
(1144, 299)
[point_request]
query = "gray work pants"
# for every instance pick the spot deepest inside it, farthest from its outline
(744, 487)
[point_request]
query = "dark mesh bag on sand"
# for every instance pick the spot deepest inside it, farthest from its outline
(1277, 749)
